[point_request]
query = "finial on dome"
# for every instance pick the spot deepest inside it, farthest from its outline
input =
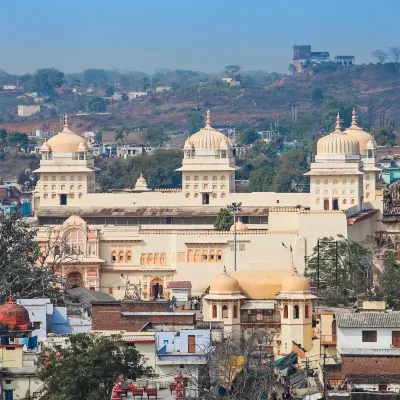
(354, 118)
(293, 271)
(66, 121)
(337, 127)
(208, 120)
(11, 298)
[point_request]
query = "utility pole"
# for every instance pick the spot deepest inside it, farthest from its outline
(234, 207)
(324, 372)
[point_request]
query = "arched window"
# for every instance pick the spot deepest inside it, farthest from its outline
(353, 201)
(157, 259)
(80, 195)
(318, 182)
(72, 195)
(285, 311)
(196, 186)
(344, 201)
(80, 178)
(368, 195)
(205, 178)
(187, 177)
(296, 314)
(353, 181)
(335, 192)
(205, 186)
(318, 201)
(190, 256)
(215, 186)
(197, 256)
(214, 311)
(187, 195)
(80, 187)
(222, 177)
(75, 241)
(187, 187)
(53, 187)
(325, 181)
(215, 178)
(110, 290)
(368, 186)
(367, 178)
(53, 196)
(72, 178)
(128, 256)
(235, 311)
(335, 181)
(306, 312)
(143, 259)
(225, 312)
(215, 195)
(72, 187)
(344, 181)
(46, 187)
(223, 186)
(196, 195)
(223, 195)
(45, 178)
(150, 259)
(62, 187)
(196, 178)
(63, 178)
(204, 256)
(45, 196)
(121, 257)
(163, 259)
(219, 256)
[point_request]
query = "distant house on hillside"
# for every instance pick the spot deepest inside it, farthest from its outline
(135, 95)
(27, 111)
(231, 81)
(161, 89)
(344, 60)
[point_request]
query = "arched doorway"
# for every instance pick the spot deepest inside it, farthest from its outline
(157, 289)
(335, 204)
(74, 279)
(206, 198)
(63, 200)
(326, 204)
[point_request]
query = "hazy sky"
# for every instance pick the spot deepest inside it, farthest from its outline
(202, 35)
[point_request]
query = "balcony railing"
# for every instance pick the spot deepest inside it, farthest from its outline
(328, 339)
(260, 319)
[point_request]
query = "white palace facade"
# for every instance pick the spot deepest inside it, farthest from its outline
(148, 237)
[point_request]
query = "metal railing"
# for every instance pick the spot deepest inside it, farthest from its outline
(328, 338)
(254, 319)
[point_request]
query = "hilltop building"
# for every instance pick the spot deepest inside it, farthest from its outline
(150, 238)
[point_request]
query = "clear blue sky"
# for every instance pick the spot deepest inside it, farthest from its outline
(201, 35)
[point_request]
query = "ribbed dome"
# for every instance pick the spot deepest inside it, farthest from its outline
(188, 144)
(45, 147)
(371, 145)
(295, 282)
(14, 316)
(338, 142)
(141, 179)
(207, 138)
(82, 145)
(66, 141)
(224, 284)
(358, 133)
(240, 227)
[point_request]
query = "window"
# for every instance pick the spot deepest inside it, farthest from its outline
(225, 312)
(72, 195)
(219, 255)
(72, 187)
(353, 201)
(235, 311)
(367, 178)
(344, 191)
(72, 178)
(369, 336)
(45, 196)
(187, 186)
(318, 201)
(335, 181)
(344, 181)
(344, 201)
(306, 312)
(285, 311)
(75, 241)
(187, 195)
(223, 186)
(368, 195)
(45, 178)
(53, 187)
(196, 186)
(114, 257)
(80, 187)
(215, 178)
(296, 314)
(46, 187)
(353, 181)
(63, 178)
(53, 178)
(121, 257)
(214, 311)
(214, 195)
(204, 256)
(325, 181)
(36, 325)
(196, 178)
(317, 191)
(396, 339)
(367, 186)
(215, 187)
(80, 178)
(187, 177)
(205, 178)
(223, 195)
(205, 186)
(80, 195)
(318, 182)
(335, 192)
(128, 256)
(222, 177)
(196, 195)
(53, 196)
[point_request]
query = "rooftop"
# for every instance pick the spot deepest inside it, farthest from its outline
(368, 320)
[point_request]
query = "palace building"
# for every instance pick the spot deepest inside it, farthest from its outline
(142, 240)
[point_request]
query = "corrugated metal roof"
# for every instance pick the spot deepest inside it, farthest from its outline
(368, 320)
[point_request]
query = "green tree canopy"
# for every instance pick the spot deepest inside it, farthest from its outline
(97, 104)
(45, 80)
(99, 136)
(87, 367)
(344, 269)
(17, 139)
(195, 121)
(248, 136)
(224, 220)
(388, 281)
(110, 91)
(155, 136)
(95, 77)
(332, 108)
(384, 135)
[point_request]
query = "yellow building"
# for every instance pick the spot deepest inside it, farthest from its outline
(115, 242)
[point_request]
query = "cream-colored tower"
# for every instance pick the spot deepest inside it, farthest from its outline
(67, 171)
(208, 168)
(336, 176)
(223, 303)
(296, 304)
(368, 156)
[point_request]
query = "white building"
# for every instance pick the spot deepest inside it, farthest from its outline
(27, 111)
(135, 95)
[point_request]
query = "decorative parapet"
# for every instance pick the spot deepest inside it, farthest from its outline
(211, 232)
(322, 211)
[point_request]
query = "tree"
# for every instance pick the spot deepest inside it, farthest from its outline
(99, 359)
(237, 368)
(119, 136)
(317, 94)
(344, 268)
(26, 270)
(17, 139)
(45, 80)
(292, 69)
(248, 136)
(124, 97)
(288, 180)
(388, 288)
(99, 136)
(195, 121)
(155, 136)
(110, 91)
(395, 54)
(380, 56)
(95, 77)
(145, 83)
(384, 135)
(332, 108)
(232, 71)
(224, 220)
(261, 179)
(97, 104)
(124, 82)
